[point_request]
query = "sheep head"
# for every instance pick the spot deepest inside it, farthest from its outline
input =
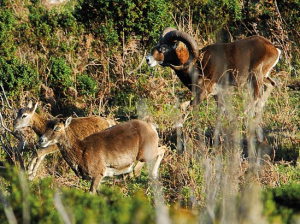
(175, 49)
(56, 129)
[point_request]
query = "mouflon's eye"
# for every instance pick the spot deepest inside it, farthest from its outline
(161, 49)
(24, 116)
(57, 128)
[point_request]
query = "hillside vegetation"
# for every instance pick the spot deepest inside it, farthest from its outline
(87, 57)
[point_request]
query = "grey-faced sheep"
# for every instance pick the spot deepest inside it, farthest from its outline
(113, 151)
(83, 127)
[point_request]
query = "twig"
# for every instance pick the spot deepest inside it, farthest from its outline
(140, 65)
(61, 209)
(3, 125)
(11, 218)
(9, 106)
(11, 152)
(25, 196)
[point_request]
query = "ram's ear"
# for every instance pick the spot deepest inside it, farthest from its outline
(175, 44)
(68, 122)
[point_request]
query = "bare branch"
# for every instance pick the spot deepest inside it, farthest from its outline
(11, 218)
(61, 209)
(9, 106)
(3, 125)
(25, 196)
(140, 65)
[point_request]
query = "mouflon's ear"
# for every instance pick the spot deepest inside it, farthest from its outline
(29, 105)
(35, 106)
(68, 122)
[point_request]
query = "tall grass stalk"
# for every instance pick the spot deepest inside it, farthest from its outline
(11, 218)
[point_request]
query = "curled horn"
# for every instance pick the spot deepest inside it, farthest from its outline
(165, 31)
(170, 34)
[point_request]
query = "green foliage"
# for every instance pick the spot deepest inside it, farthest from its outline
(289, 10)
(209, 16)
(86, 85)
(41, 200)
(289, 173)
(68, 23)
(60, 74)
(7, 29)
(126, 99)
(113, 20)
(45, 25)
(38, 198)
(17, 76)
(109, 207)
(282, 203)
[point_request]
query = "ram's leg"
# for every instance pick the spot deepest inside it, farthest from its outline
(196, 94)
(266, 91)
(155, 166)
(196, 83)
(256, 83)
(138, 168)
(31, 165)
(34, 165)
(218, 126)
(95, 185)
(201, 94)
(36, 162)
(268, 86)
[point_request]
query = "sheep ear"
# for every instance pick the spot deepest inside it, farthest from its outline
(35, 106)
(29, 105)
(68, 122)
(175, 45)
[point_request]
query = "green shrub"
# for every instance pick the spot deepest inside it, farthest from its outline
(113, 20)
(109, 207)
(17, 76)
(40, 198)
(86, 85)
(282, 204)
(42, 25)
(209, 17)
(7, 29)
(60, 74)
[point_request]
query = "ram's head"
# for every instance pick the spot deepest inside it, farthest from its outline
(175, 48)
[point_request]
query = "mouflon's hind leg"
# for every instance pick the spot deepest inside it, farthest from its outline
(37, 160)
(31, 165)
(220, 112)
(37, 164)
(95, 184)
(154, 168)
(138, 168)
(264, 95)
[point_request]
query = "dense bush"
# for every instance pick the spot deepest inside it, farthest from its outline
(86, 85)
(39, 203)
(116, 21)
(16, 76)
(7, 30)
(282, 203)
(210, 17)
(60, 76)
